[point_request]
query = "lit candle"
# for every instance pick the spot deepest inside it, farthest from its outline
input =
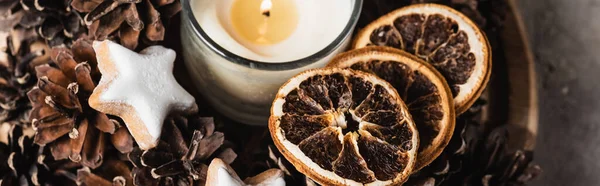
(297, 28)
(263, 22)
(240, 52)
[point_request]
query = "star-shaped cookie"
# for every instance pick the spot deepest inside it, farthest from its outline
(221, 174)
(139, 88)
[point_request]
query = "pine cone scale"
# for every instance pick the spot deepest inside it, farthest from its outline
(52, 121)
(174, 143)
(22, 68)
(10, 19)
(132, 17)
(72, 25)
(84, 78)
(170, 10)
(171, 168)
(135, 157)
(50, 28)
(62, 98)
(61, 149)
(46, 114)
(85, 5)
(65, 62)
(85, 176)
(83, 51)
(122, 140)
(6, 7)
(76, 141)
(156, 158)
(228, 156)
(129, 36)
(155, 30)
(104, 124)
(102, 9)
(48, 134)
(31, 20)
(54, 75)
(210, 144)
(93, 148)
(140, 176)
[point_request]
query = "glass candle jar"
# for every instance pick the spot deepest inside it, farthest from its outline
(242, 88)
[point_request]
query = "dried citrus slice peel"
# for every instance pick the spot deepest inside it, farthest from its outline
(344, 127)
(442, 36)
(420, 86)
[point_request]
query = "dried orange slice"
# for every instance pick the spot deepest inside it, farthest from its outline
(442, 36)
(420, 86)
(344, 127)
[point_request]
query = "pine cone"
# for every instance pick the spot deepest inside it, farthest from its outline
(503, 166)
(450, 162)
(24, 163)
(20, 50)
(127, 21)
(264, 158)
(10, 15)
(61, 115)
(52, 20)
(186, 147)
(477, 158)
(16, 79)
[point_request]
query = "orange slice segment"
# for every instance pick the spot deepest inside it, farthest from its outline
(441, 36)
(420, 86)
(320, 119)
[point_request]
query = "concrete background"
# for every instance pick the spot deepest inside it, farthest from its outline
(565, 36)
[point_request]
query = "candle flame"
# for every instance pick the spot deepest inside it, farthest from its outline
(265, 7)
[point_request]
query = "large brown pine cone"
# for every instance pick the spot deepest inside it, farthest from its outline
(20, 50)
(182, 156)
(475, 157)
(17, 77)
(127, 21)
(24, 163)
(52, 20)
(61, 115)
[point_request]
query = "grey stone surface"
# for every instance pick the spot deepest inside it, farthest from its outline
(565, 36)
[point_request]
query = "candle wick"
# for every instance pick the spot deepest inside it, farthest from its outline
(266, 13)
(265, 8)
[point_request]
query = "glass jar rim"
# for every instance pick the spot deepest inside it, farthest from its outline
(272, 66)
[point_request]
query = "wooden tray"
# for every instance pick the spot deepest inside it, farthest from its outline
(511, 94)
(517, 99)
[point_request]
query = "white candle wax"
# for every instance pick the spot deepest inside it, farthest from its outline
(242, 91)
(320, 22)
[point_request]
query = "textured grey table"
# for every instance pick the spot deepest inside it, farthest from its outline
(565, 37)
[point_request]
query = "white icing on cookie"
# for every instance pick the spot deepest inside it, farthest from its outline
(139, 88)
